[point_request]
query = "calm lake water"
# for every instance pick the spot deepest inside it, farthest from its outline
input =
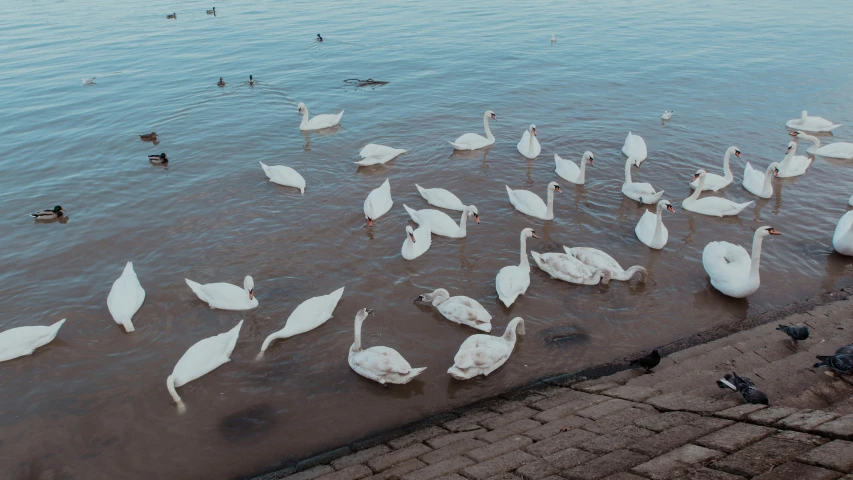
(93, 404)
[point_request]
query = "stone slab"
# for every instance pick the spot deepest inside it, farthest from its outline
(634, 394)
(603, 409)
(770, 415)
(807, 419)
(500, 447)
(837, 455)
(507, 418)
(360, 457)
(617, 420)
(453, 450)
(798, 471)
(569, 408)
(690, 403)
(490, 468)
(438, 469)
(395, 472)
(570, 439)
(513, 428)
(667, 440)
(311, 473)
(469, 420)
(617, 440)
(354, 472)
(557, 426)
(839, 428)
(605, 465)
(664, 421)
(735, 437)
(417, 436)
(444, 440)
(677, 463)
(397, 456)
(551, 464)
(739, 412)
(762, 456)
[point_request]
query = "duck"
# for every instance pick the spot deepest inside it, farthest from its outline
(473, 141)
(319, 122)
(811, 124)
(569, 171)
(373, 154)
(125, 298)
(221, 82)
(713, 206)
(380, 364)
(793, 165)
(715, 182)
(441, 224)
(597, 259)
(225, 296)
(513, 280)
(378, 202)
(159, 159)
(212, 11)
(842, 238)
(531, 204)
(842, 150)
(651, 230)
(483, 354)
(567, 268)
(56, 212)
(417, 242)
(667, 114)
(733, 271)
(319, 38)
(641, 192)
(19, 341)
(88, 81)
(757, 183)
(635, 147)
(203, 357)
(285, 176)
(251, 81)
(309, 315)
(172, 16)
(441, 198)
(148, 137)
(528, 146)
(459, 309)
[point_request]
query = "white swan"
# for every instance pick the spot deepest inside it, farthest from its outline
(459, 309)
(641, 192)
(850, 201)
(441, 224)
(531, 204)
(713, 206)
(567, 268)
(200, 359)
(417, 242)
(441, 198)
(378, 202)
(225, 296)
(841, 150)
(483, 354)
(285, 176)
(472, 141)
(597, 259)
(309, 315)
(319, 122)
(635, 147)
(793, 165)
(811, 124)
(373, 154)
(842, 238)
(758, 183)
(529, 145)
(569, 171)
(19, 341)
(513, 280)
(715, 182)
(380, 364)
(651, 230)
(666, 115)
(733, 272)
(125, 298)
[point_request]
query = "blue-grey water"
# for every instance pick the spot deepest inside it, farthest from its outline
(93, 404)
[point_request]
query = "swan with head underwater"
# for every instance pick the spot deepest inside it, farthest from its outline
(378, 202)
(793, 165)
(513, 280)
(811, 124)
(459, 309)
(284, 176)
(380, 364)
(597, 259)
(441, 224)
(373, 154)
(483, 354)
(713, 206)
(569, 171)
(639, 191)
(531, 204)
(473, 141)
(757, 183)
(19, 341)
(651, 230)
(567, 268)
(842, 150)
(319, 122)
(715, 182)
(309, 315)
(733, 271)
(441, 198)
(529, 146)
(125, 298)
(225, 296)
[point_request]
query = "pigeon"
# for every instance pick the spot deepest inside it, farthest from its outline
(845, 350)
(745, 387)
(666, 115)
(648, 362)
(796, 333)
(838, 363)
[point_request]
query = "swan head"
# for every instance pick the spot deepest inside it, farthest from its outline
(532, 129)
(491, 115)
(587, 155)
(411, 233)
(734, 150)
(529, 232)
(515, 327)
(436, 298)
(473, 212)
(799, 134)
(765, 231)
(249, 286)
(667, 205)
(633, 162)
(775, 167)
(791, 144)
(300, 108)
(605, 276)
(699, 174)
(362, 314)
(555, 186)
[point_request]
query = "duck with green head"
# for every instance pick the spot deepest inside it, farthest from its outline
(57, 212)
(162, 158)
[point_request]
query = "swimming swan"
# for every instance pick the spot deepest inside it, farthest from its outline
(319, 122)
(513, 280)
(309, 315)
(373, 154)
(641, 192)
(529, 145)
(378, 202)
(483, 354)
(19, 341)
(225, 296)
(793, 165)
(635, 147)
(841, 150)
(569, 171)
(597, 259)
(459, 309)
(285, 176)
(567, 268)
(842, 238)
(472, 141)
(380, 364)
(713, 206)
(125, 298)
(733, 272)
(417, 242)
(651, 230)
(441, 198)
(715, 182)
(758, 183)
(531, 204)
(441, 224)
(811, 124)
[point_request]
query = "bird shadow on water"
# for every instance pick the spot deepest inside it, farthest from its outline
(249, 423)
(415, 388)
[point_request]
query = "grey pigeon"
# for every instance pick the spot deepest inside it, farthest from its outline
(845, 350)
(745, 387)
(648, 362)
(838, 363)
(796, 332)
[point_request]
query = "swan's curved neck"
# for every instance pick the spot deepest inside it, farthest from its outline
(629, 274)
(756, 256)
(356, 345)
(583, 170)
(486, 127)
(410, 246)
(463, 223)
(550, 211)
(804, 115)
(788, 156)
(524, 262)
(695, 196)
(628, 171)
(304, 117)
(530, 142)
(658, 236)
(768, 177)
(727, 169)
(512, 330)
(814, 140)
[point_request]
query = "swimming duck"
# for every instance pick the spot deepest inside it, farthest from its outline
(319, 38)
(162, 158)
(666, 115)
(251, 80)
(148, 137)
(221, 82)
(212, 12)
(174, 15)
(88, 81)
(57, 212)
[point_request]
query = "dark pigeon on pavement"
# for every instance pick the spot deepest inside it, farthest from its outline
(845, 350)
(838, 363)
(745, 387)
(648, 362)
(796, 332)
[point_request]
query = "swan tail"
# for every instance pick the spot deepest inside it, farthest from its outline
(412, 213)
(414, 373)
(128, 269)
(509, 193)
(568, 250)
(197, 289)
(335, 297)
(266, 168)
(421, 190)
(233, 335)
(537, 257)
(170, 385)
(835, 126)
(56, 326)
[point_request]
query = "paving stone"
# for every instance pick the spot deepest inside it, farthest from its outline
(677, 463)
(634, 394)
(806, 438)
(667, 440)
(551, 464)
(311, 473)
(798, 471)
(710, 424)
(453, 450)
(838, 428)
(417, 436)
(770, 415)
(559, 398)
(354, 472)
(395, 472)
(360, 457)
(807, 419)
(323, 458)
(739, 412)
(438, 469)
(603, 409)
(565, 440)
(623, 476)
(617, 420)
(735, 437)
(468, 420)
(454, 476)
(557, 426)
(509, 444)
(569, 408)
(664, 421)
(394, 457)
(837, 455)
(444, 440)
(690, 403)
(505, 406)
(711, 474)
(603, 466)
(617, 440)
(507, 418)
(595, 388)
(762, 456)
(504, 463)
(507, 430)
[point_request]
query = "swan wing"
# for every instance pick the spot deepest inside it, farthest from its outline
(205, 356)
(284, 175)
(19, 341)
(726, 261)
(480, 351)
(524, 143)
(441, 198)
(325, 120)
(528, 203)
(597, 259)
(713, 182)
(125, 297)
(511, 282)
(311, 313)
(382, 361)
(440, 223)
(842, 150)
(378, 202)
(223, 296)
(471, 141)
(567, 169)
(465, 310)
(715, 206)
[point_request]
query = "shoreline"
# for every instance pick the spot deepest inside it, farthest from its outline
(614, 366)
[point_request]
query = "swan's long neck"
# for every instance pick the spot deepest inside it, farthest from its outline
(788, 156)
(814, 140)
(304, 117)
(486, 127)
(410, 246)
(530, 142)
(629, 274)
(463, 223)
(512, 330)
(658, 236)
(628, 171)
(756, 256)
(695, 196)
(550, 211)
(524, 262)
(727, 169)
(803, 116)
(583, 170)
(356, 345)
(768, 176)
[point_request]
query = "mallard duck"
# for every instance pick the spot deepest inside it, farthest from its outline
(221, 82)
(57, 212)
(148, 137)
(212, 12)
(162, 158)
(319, 38)
(174, 15)
(251, 80)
